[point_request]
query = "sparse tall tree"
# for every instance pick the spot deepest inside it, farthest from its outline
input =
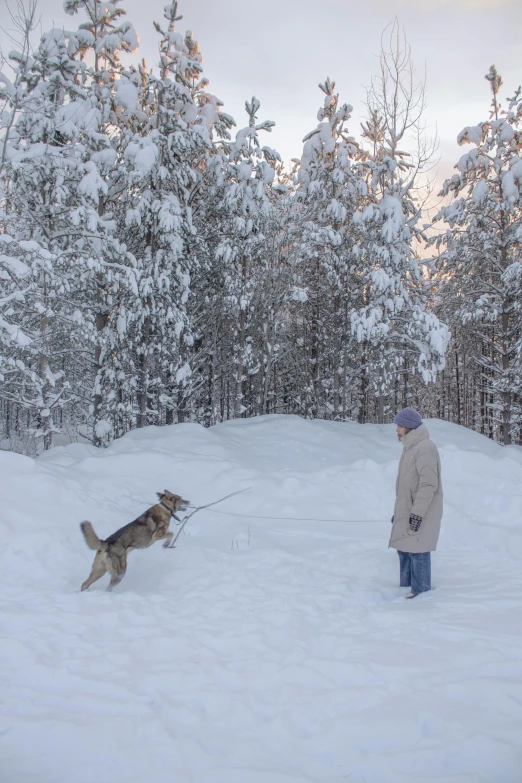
(393, 324)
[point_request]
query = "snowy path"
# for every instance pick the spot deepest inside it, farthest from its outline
(261, 651)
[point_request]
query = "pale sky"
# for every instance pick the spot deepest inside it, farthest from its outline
(279, 50)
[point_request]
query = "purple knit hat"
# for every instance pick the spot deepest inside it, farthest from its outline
(409, 418)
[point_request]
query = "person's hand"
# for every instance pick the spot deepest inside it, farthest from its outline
(415, 523)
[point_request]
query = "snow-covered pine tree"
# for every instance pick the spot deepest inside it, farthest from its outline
(480, 260)
(28, 384)
(278, 302)
(168, 164)
(330, 188)
(40, 191)
(243, 212)
(190, 387)
(104, 268)
(393, 325)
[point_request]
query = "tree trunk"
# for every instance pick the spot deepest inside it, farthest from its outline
(43, 369)
(102, 318)
(143, 392)
(506, 394)
(336, 357)
(457, 380)
(363, 389)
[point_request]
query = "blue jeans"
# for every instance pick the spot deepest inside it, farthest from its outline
(415, 571)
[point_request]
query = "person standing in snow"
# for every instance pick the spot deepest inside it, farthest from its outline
(418, 502)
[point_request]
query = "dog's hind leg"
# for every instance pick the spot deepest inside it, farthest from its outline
(117, 568)
(99, 568)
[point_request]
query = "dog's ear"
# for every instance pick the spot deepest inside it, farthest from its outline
(159, 494)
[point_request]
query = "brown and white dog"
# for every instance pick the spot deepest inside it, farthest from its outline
(151, 526)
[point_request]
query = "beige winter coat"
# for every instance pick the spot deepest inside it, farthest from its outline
(418, 491)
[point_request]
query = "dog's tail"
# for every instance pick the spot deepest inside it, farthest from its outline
(93, 542)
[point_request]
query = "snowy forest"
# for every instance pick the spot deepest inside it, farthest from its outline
(160, 263)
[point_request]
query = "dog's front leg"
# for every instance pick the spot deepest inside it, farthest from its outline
(168, 536)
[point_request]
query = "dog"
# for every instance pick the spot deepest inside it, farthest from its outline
(151, 526)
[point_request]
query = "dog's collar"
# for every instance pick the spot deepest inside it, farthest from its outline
(172, 513)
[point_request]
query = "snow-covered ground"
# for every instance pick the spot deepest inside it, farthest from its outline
(267, 647)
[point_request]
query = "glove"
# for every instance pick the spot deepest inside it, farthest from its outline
(415, 523)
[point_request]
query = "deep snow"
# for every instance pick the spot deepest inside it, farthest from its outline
(260, 650)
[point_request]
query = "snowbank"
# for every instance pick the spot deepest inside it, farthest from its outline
(267, 647)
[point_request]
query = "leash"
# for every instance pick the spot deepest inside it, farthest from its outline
(200, 508)
(284, 519)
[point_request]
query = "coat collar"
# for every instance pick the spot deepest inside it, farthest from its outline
(414, 436)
